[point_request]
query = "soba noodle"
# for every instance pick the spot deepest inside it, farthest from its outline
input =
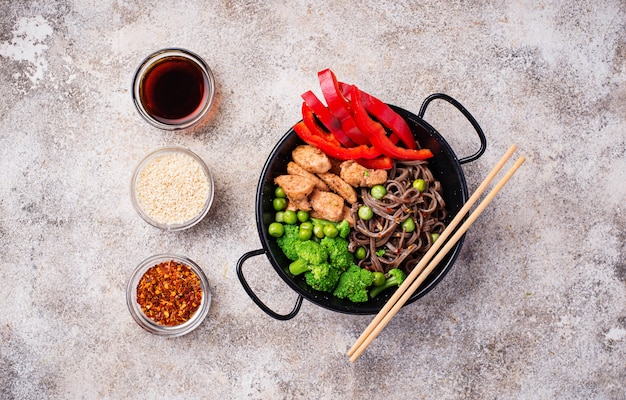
(384, 232)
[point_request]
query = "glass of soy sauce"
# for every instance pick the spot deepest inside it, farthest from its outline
(173, 89)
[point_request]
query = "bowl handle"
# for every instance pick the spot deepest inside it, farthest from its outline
(255, 298)
(470, 118)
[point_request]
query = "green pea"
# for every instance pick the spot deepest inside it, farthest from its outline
(276, 229)
(378, 192)
(280, 216)
(365, 213)
(419, 184)
(290, 217)
(318, 231)
(279, 192)
(305, 234)
(303, 216)
(307, 226)
(360, 253)
(434, 237)
(279, 203)
(408, 225)
(331, 231)
(379, 279)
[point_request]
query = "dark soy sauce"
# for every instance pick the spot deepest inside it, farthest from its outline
(174, 90)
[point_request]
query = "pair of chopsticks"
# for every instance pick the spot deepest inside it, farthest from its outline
(426, 265)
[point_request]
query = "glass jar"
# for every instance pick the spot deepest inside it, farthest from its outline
(157, 201)
(151, 325)
(173, 89)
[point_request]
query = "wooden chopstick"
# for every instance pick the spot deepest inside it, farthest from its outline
(410, 285)
(434, 248)
(455, 238)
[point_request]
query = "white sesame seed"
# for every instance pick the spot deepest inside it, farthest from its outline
(172, 188)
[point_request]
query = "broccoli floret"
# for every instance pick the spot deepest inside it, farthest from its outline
(323, 280)
(395, 277)
(322, 262)
(337, 248)
(295, 248)
(311, 252)
(344, 229)
(321, 277)
(289, 242)
(353, 284)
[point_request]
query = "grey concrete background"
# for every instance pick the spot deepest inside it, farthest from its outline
(535, 306)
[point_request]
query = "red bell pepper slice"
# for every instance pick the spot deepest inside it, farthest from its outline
(328, 140)
(339, 106)
(313, 134)
(333, 150)
(346, 89)
(389, 118)
(309, 120)
(378, 135)
(385, 115)
(326, 118)
(382, 162)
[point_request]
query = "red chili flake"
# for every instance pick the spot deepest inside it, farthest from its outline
(169, 293)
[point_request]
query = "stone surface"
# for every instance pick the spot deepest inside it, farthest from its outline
(535, 306)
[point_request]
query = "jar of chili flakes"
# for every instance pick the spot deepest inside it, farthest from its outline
(168, 295)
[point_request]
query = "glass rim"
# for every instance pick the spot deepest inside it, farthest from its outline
(148, 324)
(179, 226)
(151, 60)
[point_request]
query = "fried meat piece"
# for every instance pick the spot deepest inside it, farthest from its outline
(295, 169)
(335, 165)
(294, 207)
(311, 159)
(300, 204)
(347, 215)
(339, 186)
(297, 188)
(326, 205)
(357, 175)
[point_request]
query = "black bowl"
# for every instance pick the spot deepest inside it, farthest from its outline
(446, 168)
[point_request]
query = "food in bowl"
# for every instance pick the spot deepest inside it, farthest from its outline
(329, 228)
(173, 89)
(446, 167)
(168, 295)
(398, 221)
(172, 188)
(361, 205)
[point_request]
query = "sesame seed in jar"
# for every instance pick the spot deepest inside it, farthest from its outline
(172, 188)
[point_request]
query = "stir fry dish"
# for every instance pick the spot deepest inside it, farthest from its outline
(357, 206)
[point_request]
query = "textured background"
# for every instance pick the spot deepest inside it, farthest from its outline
(535, 306)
